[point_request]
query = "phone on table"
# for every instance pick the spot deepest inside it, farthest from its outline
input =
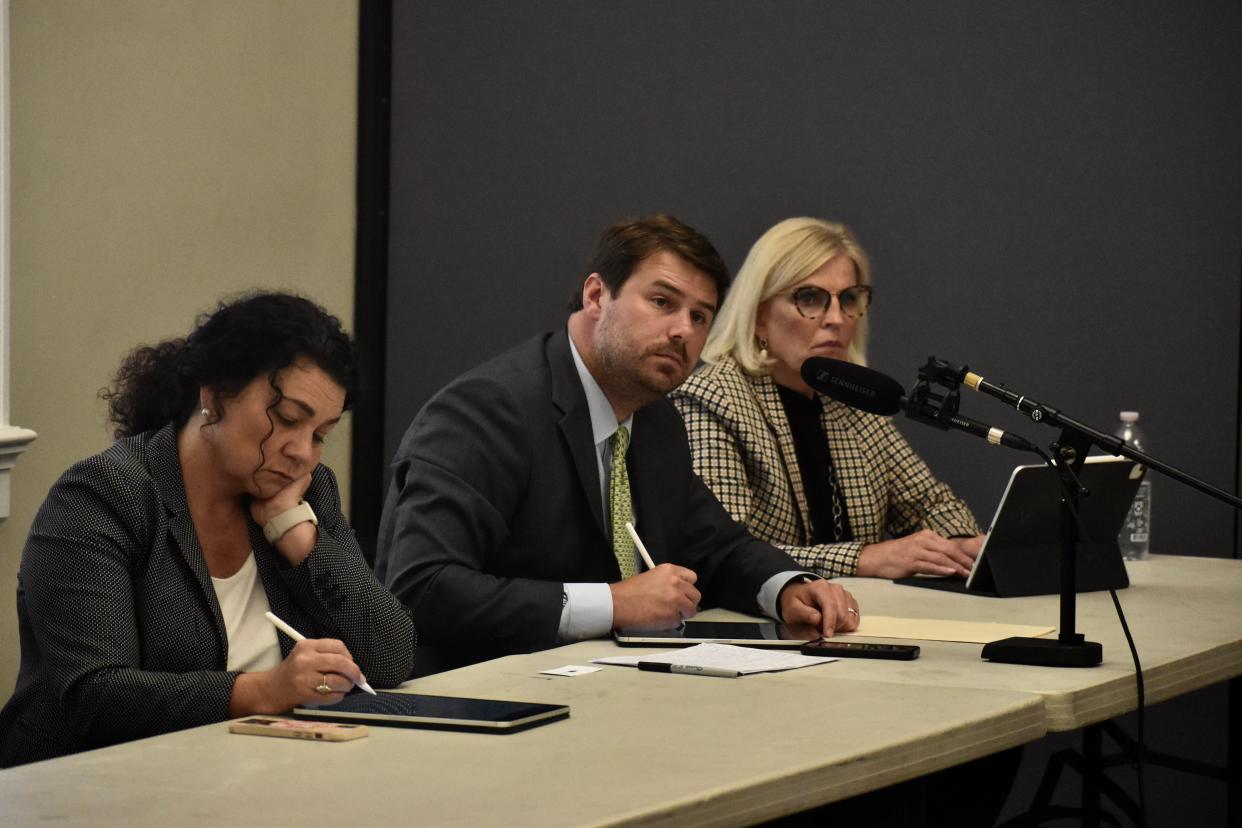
(859, 649)
(296, 729)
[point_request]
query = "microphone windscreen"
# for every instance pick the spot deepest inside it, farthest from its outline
(854, 385)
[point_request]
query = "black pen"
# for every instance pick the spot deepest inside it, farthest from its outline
(686, 669)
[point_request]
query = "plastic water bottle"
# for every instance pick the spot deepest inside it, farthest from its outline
(1135, 537)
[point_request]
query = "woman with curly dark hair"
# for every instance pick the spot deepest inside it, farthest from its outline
(148, 570)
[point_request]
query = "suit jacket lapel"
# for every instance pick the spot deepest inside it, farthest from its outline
(268, 562)
(165, 464)
(575, 420)
(774, 413)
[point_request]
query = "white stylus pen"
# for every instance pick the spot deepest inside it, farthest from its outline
(638, 542)
(297, 636)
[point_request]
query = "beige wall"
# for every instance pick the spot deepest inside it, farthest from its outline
(164, 153)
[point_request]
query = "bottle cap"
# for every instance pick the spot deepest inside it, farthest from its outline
(1129, 416)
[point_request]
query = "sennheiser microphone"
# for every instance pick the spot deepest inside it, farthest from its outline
(869, 390)
(854, 385)
(1037, 411)
(993, 435)
(948, 373)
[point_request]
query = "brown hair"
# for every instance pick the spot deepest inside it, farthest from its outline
(626, 243)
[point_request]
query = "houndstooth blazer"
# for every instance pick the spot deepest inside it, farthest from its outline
(121, 632)
(744, 451)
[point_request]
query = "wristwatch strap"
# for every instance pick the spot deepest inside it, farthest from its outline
(276, 528)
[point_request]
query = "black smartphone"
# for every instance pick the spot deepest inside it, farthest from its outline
(857, 649)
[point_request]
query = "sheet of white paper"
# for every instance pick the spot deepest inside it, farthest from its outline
(570, 670)
(725, 656)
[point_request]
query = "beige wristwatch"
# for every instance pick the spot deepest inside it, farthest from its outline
(275, 528)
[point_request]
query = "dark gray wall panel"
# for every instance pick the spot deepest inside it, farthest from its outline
(1051, 192)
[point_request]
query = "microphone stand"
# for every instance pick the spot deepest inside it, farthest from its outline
(1069, 648)
(1069, 452)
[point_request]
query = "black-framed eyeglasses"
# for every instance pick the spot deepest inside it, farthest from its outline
(812, 301)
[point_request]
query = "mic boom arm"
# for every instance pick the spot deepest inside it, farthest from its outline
(1040, 413)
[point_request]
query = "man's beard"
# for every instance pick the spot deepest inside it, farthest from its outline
(622, 363)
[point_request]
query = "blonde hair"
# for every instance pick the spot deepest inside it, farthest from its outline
(782, 257)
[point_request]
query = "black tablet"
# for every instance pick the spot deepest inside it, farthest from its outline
(436, 712)
(1021, 555)
(745, 633)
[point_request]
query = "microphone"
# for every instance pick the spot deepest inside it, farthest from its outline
(1037, 411)
(876, 393)
(993, 435)
(854, 385)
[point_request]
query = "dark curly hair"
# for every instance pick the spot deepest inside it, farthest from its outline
(253, 335)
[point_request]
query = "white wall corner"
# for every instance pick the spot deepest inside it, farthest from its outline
(13, 439)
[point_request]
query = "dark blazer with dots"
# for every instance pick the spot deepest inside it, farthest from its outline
(121, 632)
(744, 451)
(495, 503)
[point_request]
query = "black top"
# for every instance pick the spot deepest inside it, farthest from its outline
(815, 463)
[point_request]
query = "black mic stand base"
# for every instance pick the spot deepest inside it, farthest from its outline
(1045, 652)
(1069, 648)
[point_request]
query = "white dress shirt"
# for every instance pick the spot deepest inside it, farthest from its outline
(587, 609)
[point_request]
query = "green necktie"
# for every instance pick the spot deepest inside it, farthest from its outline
(619, 505)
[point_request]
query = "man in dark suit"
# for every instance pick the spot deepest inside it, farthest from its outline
(503, 527)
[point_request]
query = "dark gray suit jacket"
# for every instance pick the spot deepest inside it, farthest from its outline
(495, 503)
(121, 632)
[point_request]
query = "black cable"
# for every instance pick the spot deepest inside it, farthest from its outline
(1141, 754)
(1140, 757)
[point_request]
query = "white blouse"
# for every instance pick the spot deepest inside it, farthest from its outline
(252, 639)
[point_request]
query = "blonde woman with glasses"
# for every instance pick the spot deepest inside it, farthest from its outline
(838, 489)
